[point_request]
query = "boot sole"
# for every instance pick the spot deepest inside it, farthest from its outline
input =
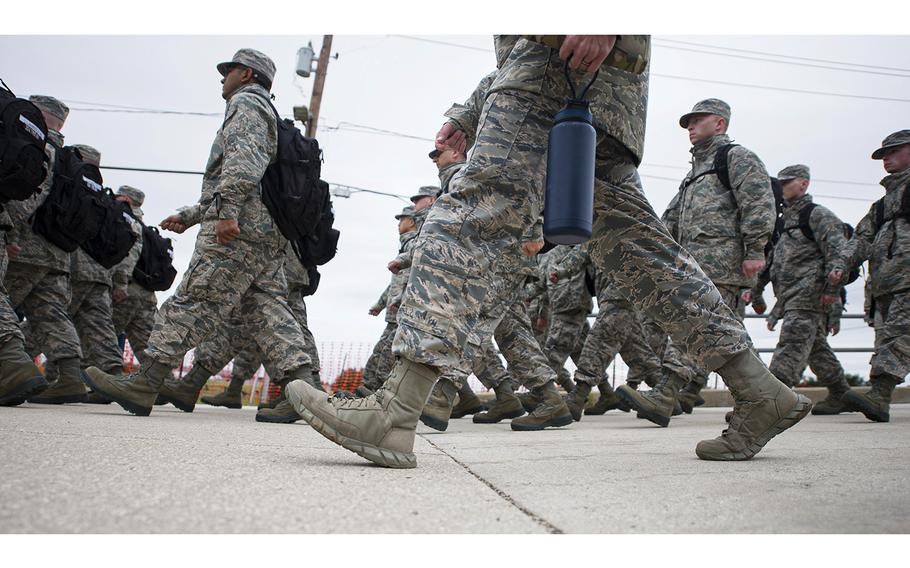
(858, 403)
(65, 399)
(130, 407)
(182, 406)
(231, 405)
(276, 420)
(823, 412)
(641, 412)
(599, 412)
(552, 423)
(507, 416)
(369, 452)
(32, 386)
(800, 410)
(434, 423)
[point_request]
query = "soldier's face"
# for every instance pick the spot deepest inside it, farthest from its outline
(124, 199)
(794, 188)
(704, 126)
(406, 225)
(424, 202)
(897, 159)
(237, 77)
(446, 158)
(52, 121)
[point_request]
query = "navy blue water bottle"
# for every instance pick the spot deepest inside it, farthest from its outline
(569, 200)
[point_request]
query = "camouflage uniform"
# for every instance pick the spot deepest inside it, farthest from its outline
(9, 322)
(799, 271)
(381, 359)
(38, 279)
(887, 247)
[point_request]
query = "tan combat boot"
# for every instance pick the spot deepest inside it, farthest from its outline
(578, 399)
(764, 408)
(439, 407)
(184, 393)
(657, 404)
(552, 411)
(607, 401)
(505, 406)
(283, 412)
(68, 388)
(19, 377)
(689, 397)
(468, 403)
(232, 397)
(136, 393)
(834, 403)
(380, 427)
(875, 404)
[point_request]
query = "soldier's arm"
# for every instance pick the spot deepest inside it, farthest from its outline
(466, 117)
(381, 302)
(831, 240)
(751, 187)
(123, 271)
(671, 216)
(247, 153)
(191, 215)
(859, 248)
(573, 263)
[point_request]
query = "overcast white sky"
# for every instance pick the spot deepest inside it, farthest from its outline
(403, 85)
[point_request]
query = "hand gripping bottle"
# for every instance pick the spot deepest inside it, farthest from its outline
(569, 201)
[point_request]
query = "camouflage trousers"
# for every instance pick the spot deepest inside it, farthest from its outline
(566, 338)
(804, 340)
(617, 329)
(498, 195)
(240, 278)
(135, 317)
(516, 342)
(381, 360)
(9, 322)
(43, 295)
(676, 359)
(892, 335)
(233, 341)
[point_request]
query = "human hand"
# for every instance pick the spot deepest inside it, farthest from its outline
(835, 276)
(449, 136)
(827, 300)
(746, 296)
(119, 295)
(530, 248)
(554, 278)
(12, 251)
(226, 230)
(752, 267)
(373, 312)
(394, 267)
(173, 224)
(586, 52)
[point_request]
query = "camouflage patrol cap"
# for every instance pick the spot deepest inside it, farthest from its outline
(51, 106)
(136, 195)
(707, 106)
(255, 60)
(793, 172)
(426, 191)
(89, 154)
(406, 212)
(899, 138)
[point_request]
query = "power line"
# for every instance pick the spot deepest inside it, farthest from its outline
(795, 63)
(448, 43)
(787, 56)
(132, 111)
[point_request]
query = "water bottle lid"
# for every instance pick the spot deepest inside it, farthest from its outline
(575, 111)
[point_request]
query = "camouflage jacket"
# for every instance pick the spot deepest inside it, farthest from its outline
(394, 292)
(447, 173)
(618, 96)
(569, 293)
(888, 249)
(800, 266)
(244, 146)
(722, 228)
(36, 250)
(294, 272)
(467, 116)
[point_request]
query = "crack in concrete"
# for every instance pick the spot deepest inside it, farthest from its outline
(547, 525)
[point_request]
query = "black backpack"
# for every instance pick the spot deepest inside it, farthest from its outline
(155, 269)
(320, 246)
(313, 276)
(806, 229)
(720, 168)
(116, 237)
(23, 133)
(291, 189)
(76, 206)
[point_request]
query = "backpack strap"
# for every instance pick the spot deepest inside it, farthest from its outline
(804, 216)
(879, 218)
(721, 168)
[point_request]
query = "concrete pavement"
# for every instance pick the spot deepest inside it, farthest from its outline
(95, 469)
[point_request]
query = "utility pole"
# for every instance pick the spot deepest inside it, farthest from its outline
(318, 85)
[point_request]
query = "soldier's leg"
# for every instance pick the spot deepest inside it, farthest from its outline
(565, 329)
(377, 366)
(827, 368)
(19, 377)
(491, 372)
(298, 307)
(610, 331)
(797, 335)
(95, 326)
(890, 360)
(643, 262)
(46, 309)
(140, 328)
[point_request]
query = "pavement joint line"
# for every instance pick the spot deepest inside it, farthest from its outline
(550, 527)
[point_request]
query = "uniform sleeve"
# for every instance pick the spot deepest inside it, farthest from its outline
(671, 217)
(467, 116)
(381, 302)
(191, 215)
(859, 248)
(247, 154)
(751, 187)
(572, 263)
(831, 240)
